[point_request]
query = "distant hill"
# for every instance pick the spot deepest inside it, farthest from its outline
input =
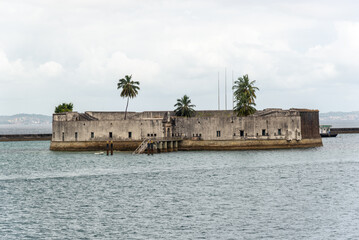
(340, 119)
(26, 119)
(339, 116)
(38, 119)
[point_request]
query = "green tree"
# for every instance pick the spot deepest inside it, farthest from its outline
(64, 107)
(129, 89)
(184, 107)
(244, 94)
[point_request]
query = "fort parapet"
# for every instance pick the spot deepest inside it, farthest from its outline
(207, 130)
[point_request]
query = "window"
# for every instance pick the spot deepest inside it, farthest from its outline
(200, 134)
(63, 136)
(279, 131)
(75, 136)
(263, 132)
(155, 134)
(151, 134)
(92, 134)
(53, 135)
(241, 133)
(110, 134)
(148, 134)
(129, 134)
(218, 133)
(193, 134)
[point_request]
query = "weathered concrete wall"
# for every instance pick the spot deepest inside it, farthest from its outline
(248, 144)
(189, 145)
(93, 145)
(120, 129)
(274, 126)
(309, 123)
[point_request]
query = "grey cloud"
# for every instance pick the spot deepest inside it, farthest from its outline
(76, 51)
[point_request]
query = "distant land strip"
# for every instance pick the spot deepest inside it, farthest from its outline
(25, 137)
(344, 130)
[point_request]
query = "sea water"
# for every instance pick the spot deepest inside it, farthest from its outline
(280, 194)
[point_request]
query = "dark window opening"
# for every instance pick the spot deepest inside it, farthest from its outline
(129, 134)
(218, 133)
(63, 136)
(53, 135)
(257, 134)
(92, 134)
(110, 134)
(241, 133)
(234, 134)
(263, 132)
(193, 134)
(200, 134)
(279, 131)
(148, 134)
(196, 134)
(155, 134)
(75, 136)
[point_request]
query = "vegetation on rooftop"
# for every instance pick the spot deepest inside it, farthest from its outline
(64, 107)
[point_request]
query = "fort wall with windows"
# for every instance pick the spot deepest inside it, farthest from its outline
(217, 130)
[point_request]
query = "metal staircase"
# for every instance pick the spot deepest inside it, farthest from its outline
(140, 149)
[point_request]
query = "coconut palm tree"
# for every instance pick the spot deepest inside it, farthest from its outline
(244, 94)
(184, 107)
(129, 89)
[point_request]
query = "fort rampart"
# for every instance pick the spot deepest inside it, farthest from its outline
(207, 130)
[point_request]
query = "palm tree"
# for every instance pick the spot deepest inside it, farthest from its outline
(244, 93)
(129, 89)
(184, 107)
(65, 107)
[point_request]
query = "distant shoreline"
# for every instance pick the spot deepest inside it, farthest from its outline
(25, 137)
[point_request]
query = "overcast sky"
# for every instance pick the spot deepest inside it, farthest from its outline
(302, 54)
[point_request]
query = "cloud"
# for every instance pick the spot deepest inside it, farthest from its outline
(9, 68)
(50, 69)
(77, 50)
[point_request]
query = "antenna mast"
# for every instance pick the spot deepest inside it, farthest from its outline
(219, 105)
(225, 87)
(232, 91)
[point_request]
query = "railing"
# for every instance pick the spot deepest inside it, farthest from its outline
(142, 147)
(163, 139)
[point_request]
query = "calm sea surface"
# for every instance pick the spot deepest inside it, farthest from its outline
(279, 194)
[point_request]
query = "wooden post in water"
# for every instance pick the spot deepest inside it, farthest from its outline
(107, 148)
(111, 148)
(159, 146)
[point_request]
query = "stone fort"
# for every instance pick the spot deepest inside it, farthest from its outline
(206, 130)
